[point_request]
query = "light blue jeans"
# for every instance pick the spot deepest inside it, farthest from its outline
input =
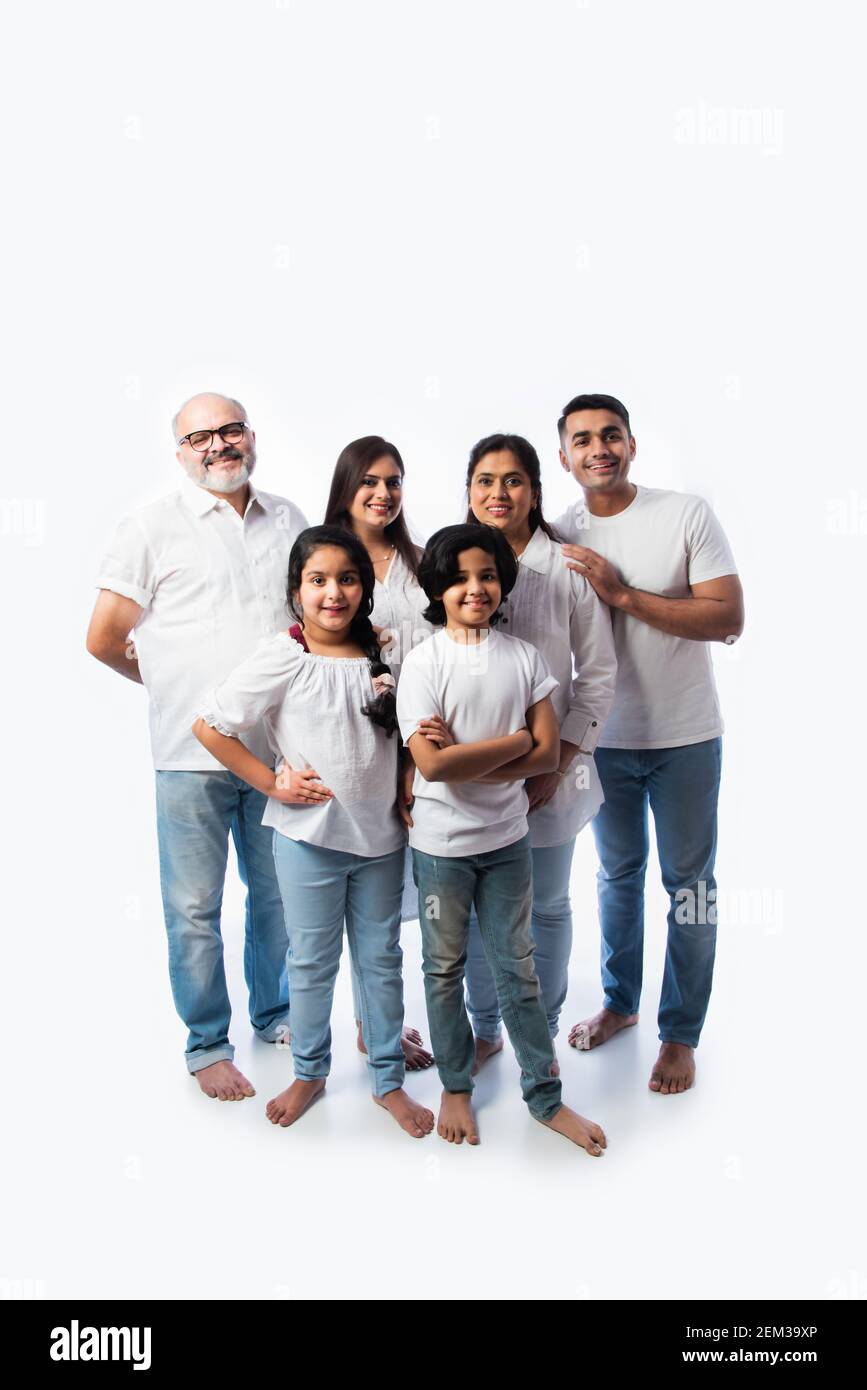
(499, 883)
(551, 926)
(196, 813)
(681, 787)
(408, 913)
(321, 888)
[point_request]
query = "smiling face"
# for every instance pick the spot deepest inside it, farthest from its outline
(597, 450)
(474, 594)
(330, 591)
(225, 467)
(501, 493)
(378, 498)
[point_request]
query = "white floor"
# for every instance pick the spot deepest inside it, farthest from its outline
(127, 1182)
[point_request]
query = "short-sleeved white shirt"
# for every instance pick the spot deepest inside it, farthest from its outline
(558, 611)
(310, 706)
(482, 690)
(663, 542)
(212, 585)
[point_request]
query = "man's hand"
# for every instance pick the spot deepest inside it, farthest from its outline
(299, 788)
(598, 572)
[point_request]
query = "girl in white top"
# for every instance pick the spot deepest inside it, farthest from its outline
(569, 625)
(327, 702)
(366, 498)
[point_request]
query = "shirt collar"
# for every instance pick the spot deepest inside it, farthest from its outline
(200, 501)
(537, 552)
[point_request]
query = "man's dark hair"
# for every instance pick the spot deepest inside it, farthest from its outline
(438, 567)
(593, 402)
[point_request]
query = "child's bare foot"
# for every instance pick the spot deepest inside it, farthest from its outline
(285, 1109)
(415, 1054)
(673, 1070)
(485, 1049)
(582, 1132)
(223, 1081)
(598, 1029)
(411, 1116)
(456, 1119)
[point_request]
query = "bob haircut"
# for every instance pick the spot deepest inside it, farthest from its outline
(438, 567)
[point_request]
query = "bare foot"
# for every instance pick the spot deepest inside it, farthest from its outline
(411, 1116)
(415, 1055)
(223, 1081)
(592, 1032)
(285, 1109)
(582, 1132)
(456, 1119)
(673, 1070)
(485, 1049)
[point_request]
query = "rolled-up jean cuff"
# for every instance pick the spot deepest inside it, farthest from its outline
(617, 1008)
(683, 1042)
(384, 1085)
(275, 1033)
(544, 1111)
(225, 1053)
(487, 1032)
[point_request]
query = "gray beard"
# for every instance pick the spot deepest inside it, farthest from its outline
(201, 475)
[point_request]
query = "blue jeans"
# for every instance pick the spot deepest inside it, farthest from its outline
(499, 883)
(681, 786)
(408, 913)
(551, 926)
(196, 812)
(321, 888)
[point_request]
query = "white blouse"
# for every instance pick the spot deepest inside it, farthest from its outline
(310, 707)
(398, 604)
(559, 612)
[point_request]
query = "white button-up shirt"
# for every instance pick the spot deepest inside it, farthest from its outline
(559, 612)
(212, 585)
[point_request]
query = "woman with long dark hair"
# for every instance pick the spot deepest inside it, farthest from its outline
(366, 498)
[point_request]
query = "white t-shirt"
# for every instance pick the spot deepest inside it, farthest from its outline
(212, 585)
(663, 542)
(310, 707)
(482, 690)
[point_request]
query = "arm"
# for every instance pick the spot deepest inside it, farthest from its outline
(232, 753)
(108, 636)
(466, 762)
(714, 612)
(544, 755)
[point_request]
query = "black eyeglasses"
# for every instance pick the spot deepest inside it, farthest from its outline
(201, 440)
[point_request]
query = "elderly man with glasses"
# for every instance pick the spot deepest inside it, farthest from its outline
(200, 578)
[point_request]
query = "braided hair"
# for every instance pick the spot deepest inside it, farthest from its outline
(382, 709)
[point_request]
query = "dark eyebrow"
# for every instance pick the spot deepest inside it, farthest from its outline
(606, 429)
(312, 574)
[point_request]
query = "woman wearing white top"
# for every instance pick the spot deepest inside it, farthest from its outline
(328, 705)
(366, 498)
(572, 629)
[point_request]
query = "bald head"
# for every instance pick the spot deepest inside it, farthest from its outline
(206, 411)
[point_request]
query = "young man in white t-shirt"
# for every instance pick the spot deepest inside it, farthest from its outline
(660, 560)
(474, 711)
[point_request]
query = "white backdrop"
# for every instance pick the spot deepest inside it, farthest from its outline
(433, 222)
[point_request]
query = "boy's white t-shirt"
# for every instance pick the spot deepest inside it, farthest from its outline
(663, 542)
(482, 690)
